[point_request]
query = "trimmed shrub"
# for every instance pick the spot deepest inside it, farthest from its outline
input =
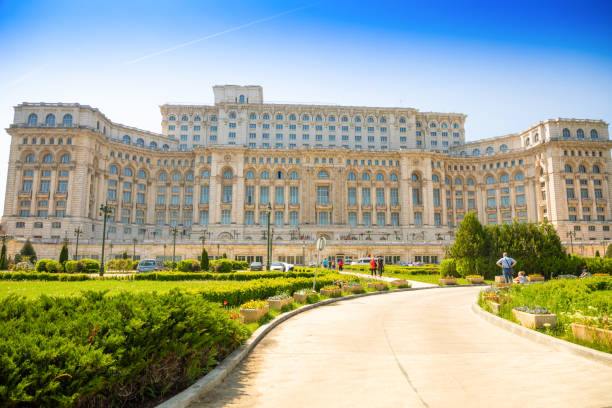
(54, 266)
(90, 265)
(188, 265)
(41, 265)
(74, 266)
(222, 266)
(240, 265)
(448, 267)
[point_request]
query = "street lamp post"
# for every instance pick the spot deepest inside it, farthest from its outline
(174, 232)
(77, 232)
(104, 210)
(134, 241)
(571, 235)
(304, 253)
(603, 244)
(269, 252)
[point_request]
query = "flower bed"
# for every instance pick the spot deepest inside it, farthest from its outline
(475, 278)
(277, 302)
(535, 278)
(331, 290)
(353, 287)
(500, 279)
(401, 283)
(301, 296)
(602, 275)
(592, 334)
(494, 306)
(534, 318)
(254, 310)
(448, 280)
(378, 285)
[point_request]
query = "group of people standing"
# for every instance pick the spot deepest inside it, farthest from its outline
(333, 265)
(377, 264)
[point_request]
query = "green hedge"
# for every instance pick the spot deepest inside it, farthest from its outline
(43, 276)
(188, 265)
(120, 265)
(122, 350)
(48, 265)
(238, 276)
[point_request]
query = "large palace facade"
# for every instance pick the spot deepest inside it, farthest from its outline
(388, 181)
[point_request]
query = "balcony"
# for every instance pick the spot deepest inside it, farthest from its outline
(61, 194)
(601, 201)
(42, 194)
(279, 206)
(160, 206)
(25, 193)
(141, 205)
(188, 207)
(381, 206)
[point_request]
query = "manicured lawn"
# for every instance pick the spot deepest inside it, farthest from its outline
(423, 278)
(32, 289)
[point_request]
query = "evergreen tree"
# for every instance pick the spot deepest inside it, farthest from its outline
(597, 254)
(204, 263)
(28, 251)
(224, 256)
(124, 255)
(63, 257)
(609, 251)
(469, 239)
(3, 260)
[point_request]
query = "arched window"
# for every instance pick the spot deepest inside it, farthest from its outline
(29, 158)
(380, 177)
(536, 137)
(566, 132)
(595, 169)
(65, 158)
(580, 134)
(162, 176)
(205, 174)
(250, 175)
(527, 142)
(345, 119)
(581, 169)
(172, 117)
(393, 177)
(153, 145)
(351, 176)
(435, 178)
(48, 158)
(331, 118)
(232, 115)
(228, 174)
(469, 181)
(184, 118)
(503, 178)
(142, 174)
(503, 148)
(357, 119)
(519, 176)
(280, 175)
(370, 120)
(32, 119)
(265, 175)
(292, 117)
(294, 175)
(489, 150)
(319, 118)
(67, 120)
(489, 180)
(127, 139)
(140, 142)
(241, 99)
(279, 116)
(166, 147)
(365, 176)
(568, 168)
(402, 120)
(266, 116)
(323, 174)
(50, 120)
(458, 181)
(594, 134)
(127, 172)
(415, 177)
(305, 117)
(113, 169)
(176, 177)
(197, 119)
(476, 152)
(463, 153)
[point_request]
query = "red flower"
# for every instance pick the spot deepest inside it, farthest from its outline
(224, 302)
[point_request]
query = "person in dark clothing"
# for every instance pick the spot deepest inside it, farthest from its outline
(381, 266)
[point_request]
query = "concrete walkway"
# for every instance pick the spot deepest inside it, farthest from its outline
(415, 284)
(408, 349)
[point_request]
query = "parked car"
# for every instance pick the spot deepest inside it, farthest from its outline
(278, 266)
(405, 264)
(362, 261)
(289, 267)
(256, 266)
(150, 265)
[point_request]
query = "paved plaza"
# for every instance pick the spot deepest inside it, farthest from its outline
(408, 349)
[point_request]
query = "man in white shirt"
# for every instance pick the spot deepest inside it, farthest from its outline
(506, 263)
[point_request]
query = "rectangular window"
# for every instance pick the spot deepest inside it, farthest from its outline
(111, 195)
(279, 195)
(598, 193)
(249, 195)
(367, 219)
(264, 195)
(174, 199)
(471, 204)
(249, 218)
(62, 186)
(520, 199)
(380, 196)
(294, 197)
(263, 218)
(570, 193)
(127, 196)
(322, 195)
(584, 193)
(279, 218)
(44, 185)
(436, 197)
(459, 203)
(226, 217)
(189, 199)
(416, 196)
(204, 194)
(394, 219)
(380, 219)
(365, 196)
(352, 219)
(437, 219)
(505, 201)
(491, 202)
(227, 194)
(418, 218)
(323, 218)
(293, 218)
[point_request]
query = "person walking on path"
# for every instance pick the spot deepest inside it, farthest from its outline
(506, 263)
(340, 265)
(373, 266)
(325, 263)
(381, 266)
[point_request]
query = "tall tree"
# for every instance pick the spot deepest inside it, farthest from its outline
(63, 256)
(3, 260)
(609, 251)
(469, 239)
(204, 263)
(28, 251)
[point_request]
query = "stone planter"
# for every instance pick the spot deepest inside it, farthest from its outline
(399, 283)
(352, 288)
(331, 293)
(302, 297)
(377, 286)
(494, 306)
(534, 321)
(532, 278)
(492, 299)
(476, 280)
(278, 304)
(500, 279)
(592, 334)
(448, 281)
(253, 315)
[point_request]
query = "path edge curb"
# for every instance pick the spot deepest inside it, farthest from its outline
(533, 335)
(218, 374)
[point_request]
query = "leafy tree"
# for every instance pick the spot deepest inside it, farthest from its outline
(224, 256)
(124, 255)
(28, 251)
(204, 262)
(469, 239)
(3, 260)
(63, 257)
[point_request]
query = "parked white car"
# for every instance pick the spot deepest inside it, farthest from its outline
(281, 266)
(362, 261)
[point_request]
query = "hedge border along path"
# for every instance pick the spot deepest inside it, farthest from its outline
(534, 335)
(219, 373)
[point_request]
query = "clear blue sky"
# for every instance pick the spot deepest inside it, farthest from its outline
(507, 65)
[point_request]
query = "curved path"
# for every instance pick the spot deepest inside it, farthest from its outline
(408, 349)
